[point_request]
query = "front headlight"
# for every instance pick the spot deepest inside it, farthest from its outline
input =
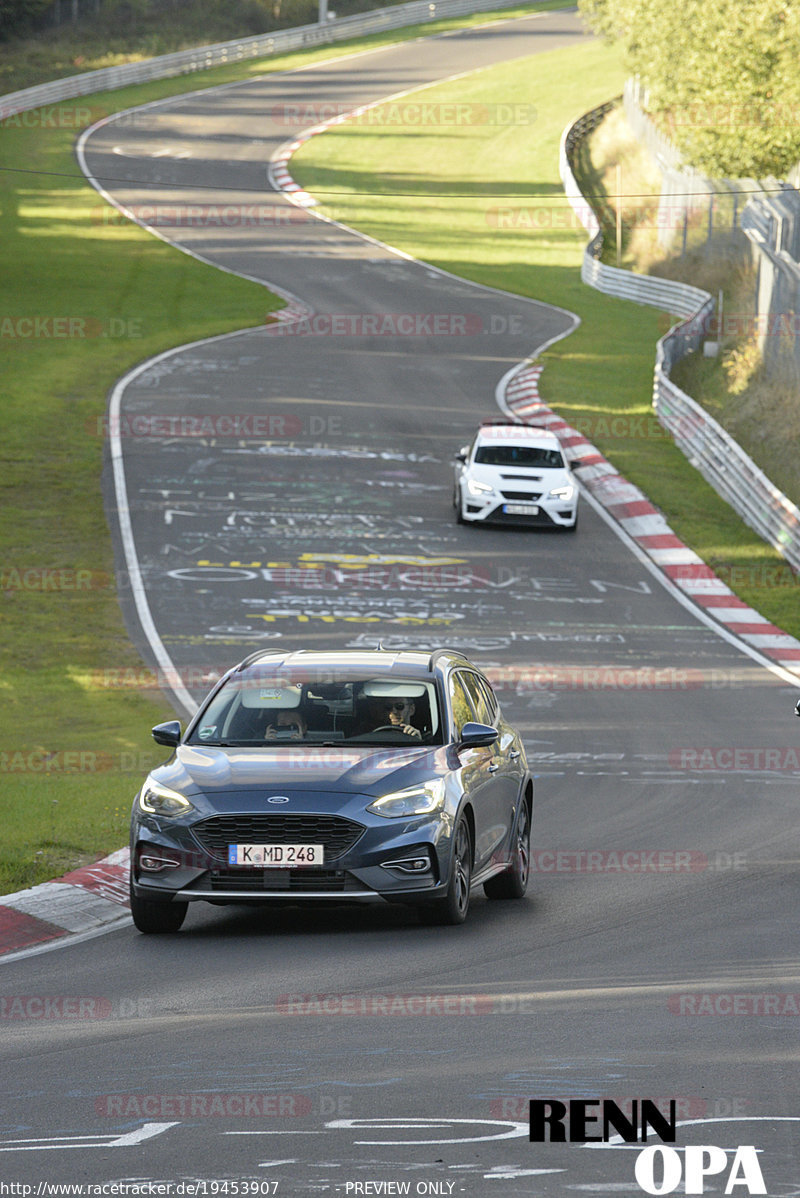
(415, 800)
(476, 488)
(563, 493)
(156, 799)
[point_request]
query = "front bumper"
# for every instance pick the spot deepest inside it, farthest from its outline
(364, 872)
(548, 516)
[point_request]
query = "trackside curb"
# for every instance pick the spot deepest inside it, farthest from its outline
(648, 529)
(83, 901)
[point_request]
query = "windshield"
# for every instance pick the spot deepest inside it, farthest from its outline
(519, 455)
(259, 707)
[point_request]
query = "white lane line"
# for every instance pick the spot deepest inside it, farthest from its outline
(146, 1132)
(293, 302)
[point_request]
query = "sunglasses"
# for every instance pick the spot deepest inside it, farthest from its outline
(399, 706)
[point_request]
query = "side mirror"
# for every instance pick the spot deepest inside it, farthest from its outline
(462, 454)
(475, 735)
(797, 707)
(167, 734)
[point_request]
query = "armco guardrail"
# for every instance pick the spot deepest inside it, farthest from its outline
(263, 45)
(678, 298)
(721, 461)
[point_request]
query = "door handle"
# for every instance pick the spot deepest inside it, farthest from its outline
(514, 754)
(493, 768)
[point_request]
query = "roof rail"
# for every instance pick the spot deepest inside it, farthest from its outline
(449, 652)
(251, 657)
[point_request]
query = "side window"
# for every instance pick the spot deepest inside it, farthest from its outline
(460, 702)
(491, 699)
(477, 695)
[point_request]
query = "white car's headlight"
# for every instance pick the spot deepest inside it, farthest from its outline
(156, 799)
(476, 488)
(564, 493)
(415, 800)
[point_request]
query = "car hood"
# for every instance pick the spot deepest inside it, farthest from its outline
(545, 477)
(197, 769)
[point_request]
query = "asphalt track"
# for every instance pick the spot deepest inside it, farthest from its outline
(615, 979)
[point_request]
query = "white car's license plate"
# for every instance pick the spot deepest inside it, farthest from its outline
(276, 856)
(521, 509)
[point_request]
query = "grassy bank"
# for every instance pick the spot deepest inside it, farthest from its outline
(486, 203)
(86, 296)
(760, 411)
(106, 40)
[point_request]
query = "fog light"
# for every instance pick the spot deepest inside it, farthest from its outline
(409, 865)
(152, 864)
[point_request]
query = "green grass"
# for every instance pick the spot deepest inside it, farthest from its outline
(436, 195)
(73, 752)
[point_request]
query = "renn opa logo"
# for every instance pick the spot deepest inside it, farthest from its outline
(659, 1169)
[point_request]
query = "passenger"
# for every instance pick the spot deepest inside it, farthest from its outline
(289, 725)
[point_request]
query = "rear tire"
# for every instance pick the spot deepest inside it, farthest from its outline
(452, 909)
(154, 917)
(514, 882)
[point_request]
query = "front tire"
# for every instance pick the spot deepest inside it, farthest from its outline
(514, 882)
(154, 917)
(452, 909)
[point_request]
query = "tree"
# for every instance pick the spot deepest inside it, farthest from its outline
(722, 79)
(19, 16)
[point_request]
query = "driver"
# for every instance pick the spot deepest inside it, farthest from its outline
(397, 713)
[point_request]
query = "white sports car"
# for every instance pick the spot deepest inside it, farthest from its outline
(515, 474)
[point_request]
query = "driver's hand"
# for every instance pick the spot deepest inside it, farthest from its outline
(409, 730)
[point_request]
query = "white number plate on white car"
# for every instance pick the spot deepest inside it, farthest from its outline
(276, 856)
(521, 509)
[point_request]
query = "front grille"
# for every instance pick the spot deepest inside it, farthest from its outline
(336, 834)
(257, 880)
(542, 518)
(530, 495)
